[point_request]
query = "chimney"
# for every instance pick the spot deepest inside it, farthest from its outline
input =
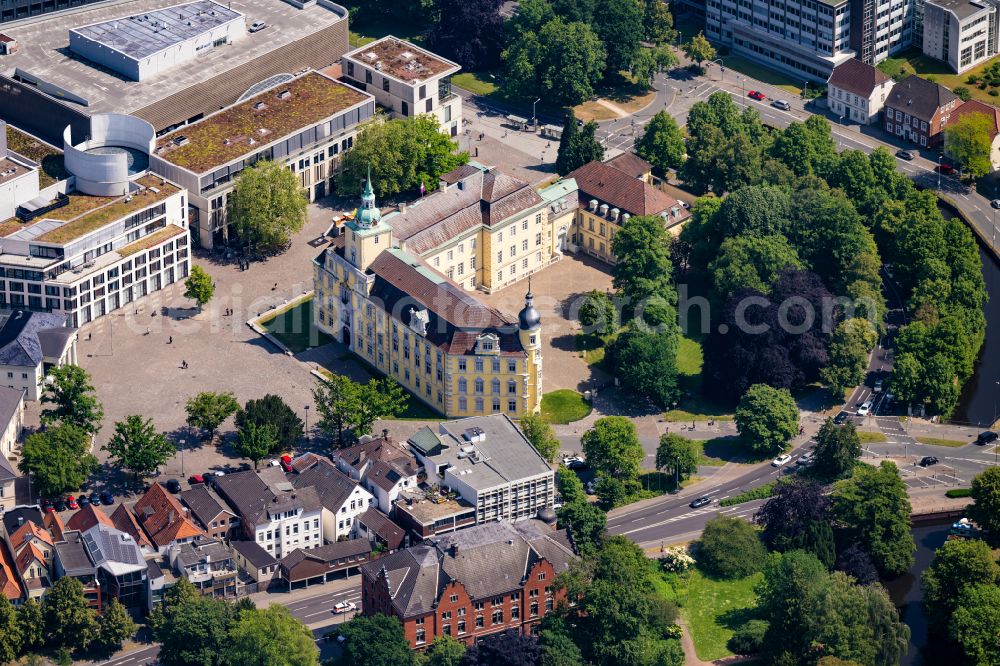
(20, 521)
(385, 434)
(454, 550)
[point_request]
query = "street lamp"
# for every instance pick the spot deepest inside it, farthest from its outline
(308, 439)
(940, 159)
(182, 442)
(534, 116)
(722, 69)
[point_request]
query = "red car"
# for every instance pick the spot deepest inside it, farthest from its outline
(757, 95)
(48, 506)
(71, 502)
(196, 478)
(286, 463)
(946, 169)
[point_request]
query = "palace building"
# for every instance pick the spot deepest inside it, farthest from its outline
(458, 355)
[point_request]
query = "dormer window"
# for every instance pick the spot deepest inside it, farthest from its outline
(487, 343)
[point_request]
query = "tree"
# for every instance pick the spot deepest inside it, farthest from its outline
(69, 622)
(612, 447)
(806, 147)
(263, 637)
(658, 22)
(767, 418)
(375, 640)
(571, 62)
(402, 153)
(662, 143)
(569, 486)
(598, 314)
(797, 517)
(31, 625)
(857, 563)
(749, 638)
(114, 627)
(192, 630)
(507, 648)
(784, 600)
(138, 447)
(208, 410)
(348, 409)
(468, 32)
(267, 206)
(10, 631)
(619, 24)
(837, 448)
(850, 345)
(975, 625)
(539, 432)
(559, 649)
(731, 548)
(577, 147)
(73, 399)
(199, 286)
(59, 459)
(272, 409)
(874, 508)
(255, 441)
(444, 651)
(699, 49)
(678, 453)
(956, 566)
(585, 522)
(969, 141)
(747, 262)
(646, 363)
(985, 509)
(643, 267)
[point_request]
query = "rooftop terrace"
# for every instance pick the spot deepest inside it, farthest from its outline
(51, 159)
(402, 60)
(262, 119)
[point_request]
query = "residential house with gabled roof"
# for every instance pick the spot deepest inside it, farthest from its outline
(991, 114)
(257, 562)
(124, 520)
(318, 565)
(210, 512)
(382, 465)
(55, 525)
(72, 560)
(856, 91)
(87, 517)
(918, 110)
(381, 530)
(164, 519)
(31, 343)
(471, 583)
(33, 568)
(342, 499)
(10, 583)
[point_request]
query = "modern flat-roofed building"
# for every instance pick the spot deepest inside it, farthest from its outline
(305, 124)
(144, 45)
(962, 33)
(72, 560)
(489, 462)
(19, 177)
(407, 80)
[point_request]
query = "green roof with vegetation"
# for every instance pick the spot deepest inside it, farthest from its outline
(53, 169)
(152, 239)
(85, 214)
(226, 135)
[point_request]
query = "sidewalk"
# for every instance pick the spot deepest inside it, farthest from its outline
(265, 599)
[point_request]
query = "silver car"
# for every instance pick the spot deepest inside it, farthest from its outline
(781, 104)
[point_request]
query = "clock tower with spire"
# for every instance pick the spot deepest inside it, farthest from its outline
(367, 234)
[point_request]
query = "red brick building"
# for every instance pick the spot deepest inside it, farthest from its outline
(478, 581)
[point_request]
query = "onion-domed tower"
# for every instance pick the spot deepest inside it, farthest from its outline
(367, 234)
(530, 333)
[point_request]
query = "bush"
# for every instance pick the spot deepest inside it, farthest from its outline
(963, 93)
(731, 548)
(749, 638)
(958, 492)
(676, 559)
(993, 93)
(972, 78)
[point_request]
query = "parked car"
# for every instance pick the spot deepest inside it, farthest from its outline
(946, 169)
(700, 502)
(781, 460)
(841, 418)
(904, 155)
(865, 408)
(60, 505)
(878, 386)
(345, 607)
(986, 437)
(174, 486)
(195, 479)
(257, 26)
(286, 463)
(575, 463)
(83, 501)
(807, 458)
(95, 499)
(71, 502)
(781, 104)
(995, 203)
(757, 95)
(107, 498)
(48, 506)
(927, 461)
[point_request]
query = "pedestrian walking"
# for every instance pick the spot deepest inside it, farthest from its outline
(170, 340)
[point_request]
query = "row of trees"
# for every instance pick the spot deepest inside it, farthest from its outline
(62, 625)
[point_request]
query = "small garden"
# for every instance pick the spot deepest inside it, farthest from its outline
(564, 406)
(981, 82)
(294, 328)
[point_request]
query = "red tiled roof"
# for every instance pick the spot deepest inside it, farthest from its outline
(163, 517)
(630, 164)
(856, 77)
(86, 518)
(126, 522)
(9, 583)
(974, 106)
(29, 529)
(607, 184)
(55, 525)
(28, 555)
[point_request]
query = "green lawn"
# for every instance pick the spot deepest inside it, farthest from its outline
(713, 609)
(564, 406)
(871, 437)
(295, 329)
(915, 62)
(592, 348)
(364, 32)
(689, 357)
(721, 450)
(937, 441)
(696, 408)
(475, 82)
(759, 72)
(692, 406)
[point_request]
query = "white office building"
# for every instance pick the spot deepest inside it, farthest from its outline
(962, 33)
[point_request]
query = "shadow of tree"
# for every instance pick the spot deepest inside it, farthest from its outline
(734, 618)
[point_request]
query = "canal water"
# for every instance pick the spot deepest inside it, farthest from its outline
(980, 399)
(906, 594)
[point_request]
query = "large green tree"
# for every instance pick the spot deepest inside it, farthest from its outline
(254, 441)
(975, 625)
(199, 286)
(402, 153)
(746, 262)
(731, 548)
(985, 509)
(767, 418)
(31, 625)
(444, 651)
(956, 566)
(10, 631)
(612, 447)
(643, 268)
(662, 143)
(598, 314)
(138, 446)
(72, 398)
(267, 206)
(539, 432)
(837, 448)
(348, 409)
(850, 345)
(207, 410)
(115, 626)
(619, 24)
(192, 630)
(658, 22)
(646, 363)
(69, 621)
(265, 637)
(375, 640)
(699, 49)
(586, 524)
(797, 517)
(58, 459)
(577, 146)
(874, 508)
(272, 409)
(677, 453)
(969, 141)
(551, 57)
